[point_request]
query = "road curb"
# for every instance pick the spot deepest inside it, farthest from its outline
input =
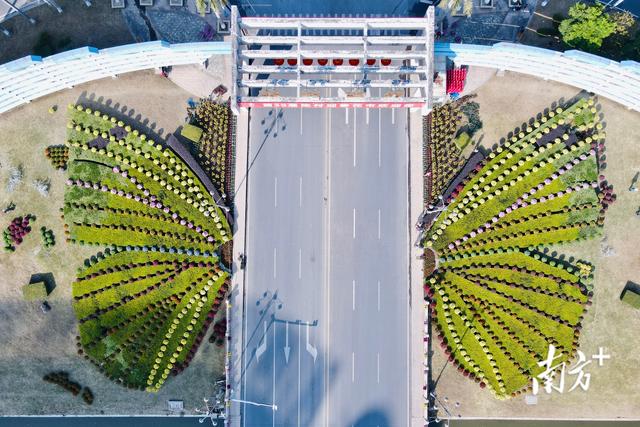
(237, 296)
(418, 404)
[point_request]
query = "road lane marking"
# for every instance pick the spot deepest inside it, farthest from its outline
(353, 367)
(300, 193)
(262, 347)
(378, 295)
(379, 137)
(378, 363)
(379, 224)
(367, 115)
(273, 401)
(275, 255)
(393, 116)
(354, 223)
(311, 349)
(355, 148)
(353, 295)
(299, 352)
(287, 349)
(327, 236)
(275, 192)
(299, 263)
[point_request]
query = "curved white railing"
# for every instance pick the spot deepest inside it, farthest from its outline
(618, 81)
(31, 77)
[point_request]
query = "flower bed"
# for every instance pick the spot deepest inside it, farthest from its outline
(215, 150)
(497, 299)
(144, 302)
(443, 157)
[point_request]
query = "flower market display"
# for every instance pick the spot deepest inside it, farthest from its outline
(498, 299)
(215, 151)
(16, 231)
(146, 298)
(443, 157)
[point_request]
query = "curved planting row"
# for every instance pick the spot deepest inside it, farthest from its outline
(498, 301)
(145, 301)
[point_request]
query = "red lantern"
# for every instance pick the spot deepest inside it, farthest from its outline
(354, 62)
(307, 61)
(337, 61)
(371, 62)
(385, 62)
(292, 61)
(279, 61)
(323, 61)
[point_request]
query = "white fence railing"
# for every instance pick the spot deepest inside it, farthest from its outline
(618, 81)
(31, 77)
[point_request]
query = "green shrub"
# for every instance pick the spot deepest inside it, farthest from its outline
(463, 140)
(191, 132)
(631, 297)
(34, 291)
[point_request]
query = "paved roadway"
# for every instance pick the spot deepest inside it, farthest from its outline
(327, 269)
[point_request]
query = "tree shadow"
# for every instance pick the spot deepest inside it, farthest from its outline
(121, 112)
(372, 418)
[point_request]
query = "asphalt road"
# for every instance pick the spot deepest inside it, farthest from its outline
(326, 291)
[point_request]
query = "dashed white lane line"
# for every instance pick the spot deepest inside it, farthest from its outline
(273, 416)
(367, 116)
(275, 192)
(346, 116)
(393, 116)
(379, 137)
(300, 263)
(379, 227)
(354, 223)
(378, 365)
(353, 367)
(299, 352)
(353, 295)
(275, 256)
(300, 193)
(355, 147)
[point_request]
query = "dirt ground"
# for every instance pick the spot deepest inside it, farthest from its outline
(34, 343)
(98, 26)
(506, 102)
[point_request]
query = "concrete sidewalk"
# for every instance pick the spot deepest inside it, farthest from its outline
(236, 321)
(418, 322)
(200, 80)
